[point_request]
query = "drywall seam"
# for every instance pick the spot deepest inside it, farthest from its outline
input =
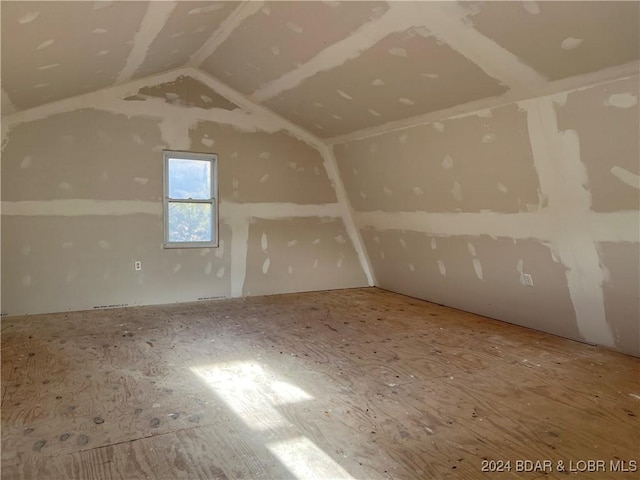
(333, 172)
(172, 120)
(238, 216)
(622, 226)
(259, 112)
(79, 207)
(593, 79)
(158, 108)
(446, 21)
(395, 19)
(217, 38)
(152, 24)
(278, 210)
(88, 100)
(563, 180)
(7, 105)
(245, 211)
(572, 84)
(111, 100)
(329, 162)
(515, 225)
(239, 252)
(469, 108)
(174, 131)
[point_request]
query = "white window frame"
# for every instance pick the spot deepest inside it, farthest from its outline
(213, 201)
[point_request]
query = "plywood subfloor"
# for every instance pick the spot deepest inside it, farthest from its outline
(357, 383)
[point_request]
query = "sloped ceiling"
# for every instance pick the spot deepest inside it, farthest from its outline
(330, 67)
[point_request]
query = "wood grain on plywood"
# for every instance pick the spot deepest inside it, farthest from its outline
(356, 383)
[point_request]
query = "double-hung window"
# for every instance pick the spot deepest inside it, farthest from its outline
(190, 199)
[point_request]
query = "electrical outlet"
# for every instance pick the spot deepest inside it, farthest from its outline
(528, 279)
(137, 265)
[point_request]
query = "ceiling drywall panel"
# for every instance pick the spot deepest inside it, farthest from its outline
(55, 50)
(188, 27)
(561, 39)
(405, 74)
(282, 35)
(333, 68)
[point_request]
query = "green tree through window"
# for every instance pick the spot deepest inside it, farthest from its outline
(190, 199)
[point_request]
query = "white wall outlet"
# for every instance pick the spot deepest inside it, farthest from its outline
(528, 279)
(137, 265)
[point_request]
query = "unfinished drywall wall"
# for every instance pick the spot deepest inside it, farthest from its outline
(620, 262)
(454, 271)
(458, 210)
(272, 167)
(297, 254)
(82, 201)
(491, 170)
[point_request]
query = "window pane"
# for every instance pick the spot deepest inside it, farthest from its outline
(190, 222)
(189, 179)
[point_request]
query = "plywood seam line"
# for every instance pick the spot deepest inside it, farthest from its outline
(563, 179)
(445, 22)
(578, 82)
(217, 38)
(152, 24)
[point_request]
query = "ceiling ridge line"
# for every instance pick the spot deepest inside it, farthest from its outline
(254, 108)
(243, 11)
(155, 18)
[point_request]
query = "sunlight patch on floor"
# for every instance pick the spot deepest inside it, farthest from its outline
(305, 459)
(253, 393)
